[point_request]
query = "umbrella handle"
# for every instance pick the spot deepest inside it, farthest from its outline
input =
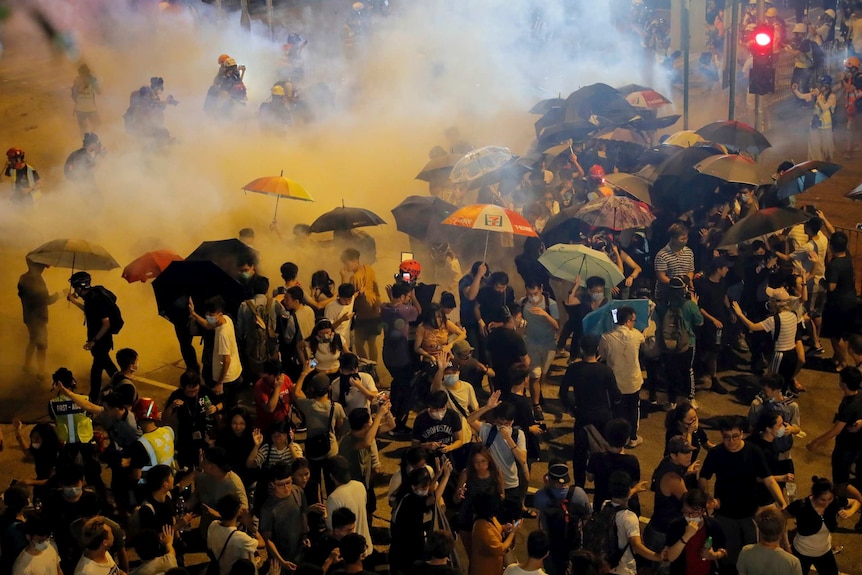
(485, 253)
(275, 215)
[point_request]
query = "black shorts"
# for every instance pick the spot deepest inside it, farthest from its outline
(837, 323)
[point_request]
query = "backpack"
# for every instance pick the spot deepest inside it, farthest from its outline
(601, 535)
(261, 341)
(817, 56)
(133, 528)
(114, 314)
(674, 336)
(562, 519)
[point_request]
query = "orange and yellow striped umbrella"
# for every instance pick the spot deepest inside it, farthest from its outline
(491, 218)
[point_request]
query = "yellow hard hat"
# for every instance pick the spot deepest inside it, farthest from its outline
(229, 63)
(277, 90)
(771, 12)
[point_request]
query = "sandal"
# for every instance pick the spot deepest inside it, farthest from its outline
(529, 514)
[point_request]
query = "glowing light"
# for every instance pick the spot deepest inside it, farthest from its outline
(762, 39)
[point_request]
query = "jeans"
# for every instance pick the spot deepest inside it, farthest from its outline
(187, 349)
(101, 362)
(737, 533)
(630, 410)
(312, 488)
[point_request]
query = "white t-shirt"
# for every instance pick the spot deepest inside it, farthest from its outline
(627, 527)
(306, 320)
(353, 496)
(465, 395)
(225, 344)
(503, 456)
(515, 569)
(156, 566)
(335, 311)
(240, 546)
(786, 333)
(355, 399)
(45, 563)
(89, 567)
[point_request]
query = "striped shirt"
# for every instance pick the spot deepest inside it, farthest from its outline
(673, 264)
(268, 455)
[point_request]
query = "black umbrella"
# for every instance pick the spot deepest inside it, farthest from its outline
(420, 216)
(552, 117)
(681, 161)
(576, 131)
(736, 134)
(544, 106)
(199, 280)
(599, 100)
(564, 227)
(441, 165)
(345, 218)
(763, 222)
(654, 123)
(229, 255)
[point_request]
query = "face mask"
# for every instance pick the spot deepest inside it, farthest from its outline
(451, 379)
(561, 492)
(695, 520)
(421, 492)
(324, 338)
(211, 320)
(438, 415)
(745, 197)
(780, 431)
(245, 275)
(72, 492)
(40, 545)
(35, 445)
(597, 296)
(535, 298)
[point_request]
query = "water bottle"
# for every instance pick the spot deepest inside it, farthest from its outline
(718, 333)
(208, 417)
(707, 546)
(790, 490)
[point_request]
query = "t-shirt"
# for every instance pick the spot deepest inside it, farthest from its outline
(306, 320)
(240, 546)
(192, 414)
(736, 475)
(711, 297)
(627, 527)
(786, 331)
(354, 496)
(89, 567)
(689, 561)
(602, 465)
(505, 348)
(45, 563)
(464, 396)
(156, 566)
(595, 391)
(503, 456)
(466, 306)
(426, 429)
(758, 559)
(490, 301)
(673, 264)
(225, 344)
(620, 348)
(849, 410)
(210, 490)
(335, 311)
(515, 569)
(97, 307)
(317, 419)
(539, 331)
(353, 397)
(839, 271)
(263, 393)
(396, 319)
(155, 515)
(282, 520)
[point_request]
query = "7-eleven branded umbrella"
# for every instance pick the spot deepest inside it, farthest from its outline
(491, 218)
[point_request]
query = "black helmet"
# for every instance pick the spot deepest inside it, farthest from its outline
(80, 280)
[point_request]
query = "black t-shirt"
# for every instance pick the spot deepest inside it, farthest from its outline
(736, 475)
(160, 515)
(505, 348)
(490, 301)
(711, 297)
(63, 512)
(839, 271)
(595, 391)
(602, 465)
(849, 410)
(426, 429)
(96, 308)
(191, 415)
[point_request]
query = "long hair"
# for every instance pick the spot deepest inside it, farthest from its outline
(334, 345)
(321, 280)
(496, 476)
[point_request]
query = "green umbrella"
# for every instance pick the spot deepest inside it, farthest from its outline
(566, 261)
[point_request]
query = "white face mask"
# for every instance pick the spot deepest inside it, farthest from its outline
(696, 520)
(450, 379)
(421, 492)
(780, 431)
(438, 415)
(597, 296)
(535, 298)
(40, 545)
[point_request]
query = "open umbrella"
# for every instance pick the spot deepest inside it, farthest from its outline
(544, 106)
(855, 193)
(734, 168)
(566, 261)
(228, 254)
(480, 162)
(491, 218)
(737, 134)
(149, 265)
(647, 124)
(73, 254)
(441, 164)
(635, 186)
(626, 135)
(761, 223)
(280, 187)
(576, 131)
(647, 99)
(345, 218)
(599, 100)
(616, 213)
(420, 216)
(803, 176)
(684, 139)
(199, 280)
(601, 320)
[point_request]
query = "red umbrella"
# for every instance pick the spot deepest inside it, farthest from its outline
(149, 265)
(647, 99)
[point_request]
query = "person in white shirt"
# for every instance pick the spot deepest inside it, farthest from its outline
(96, 560)
(148, 545)
(462, 396)
(353, 389)
(628, 527)
(538, 546)
(40, 557)
(349, 493)
(227, 369)
(340, 311)
(227, 544)
(620, 349)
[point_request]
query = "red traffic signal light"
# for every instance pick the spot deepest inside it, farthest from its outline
(764, 38)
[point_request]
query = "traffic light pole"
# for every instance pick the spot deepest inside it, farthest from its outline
(686, 53)
(758, 120)
(731, 65)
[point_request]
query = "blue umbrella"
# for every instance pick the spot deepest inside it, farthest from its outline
(803, 176)
(602, 320)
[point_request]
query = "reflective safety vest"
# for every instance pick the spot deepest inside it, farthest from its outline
(73, 423)
(160, 447)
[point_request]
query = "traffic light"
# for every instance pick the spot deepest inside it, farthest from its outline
(761, 79)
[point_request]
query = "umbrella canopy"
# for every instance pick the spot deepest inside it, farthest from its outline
(682, 162)
(567, 261)
(576, 131)
(420, 216)
(345, 218)
(855, 193)
(280, 187)
(803, 176)
(734, 168)
(616, 213)
(627, 135)
(199, 280)
(654, 123)
(544, 106)
(647, 99)
(737, 134)
(599, 100)
(149, 265)
(629, 88)
(601, 320)
(635, 186)
(761, 223)
(684, 139)
(491, 218)
(440, 164)
(229, 254)
(73, 254)
(480, 162)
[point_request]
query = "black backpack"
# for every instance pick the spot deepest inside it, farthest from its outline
(601, 535)
(562, 519)
(674, 335)
(114, 314)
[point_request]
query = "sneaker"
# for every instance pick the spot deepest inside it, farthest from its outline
(634, 442)
(717, 387)
(670, 406)
(561, 354)
(801, 434)
(818, 351)
(694, 403)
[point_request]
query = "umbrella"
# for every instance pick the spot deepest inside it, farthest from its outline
(647, 99)
(280, 187)
(419, 217)
(761, 223)
(601, 320)
(566, 261)
(599, 100)
(440, 164)
(199, 280)
(576, 131)
(74, 254)
(855, 193)
(654, 123)
(544, 106)
(480, 162)
(149, 265)
(491, 218)
(229, 255)
(345, 218)
(682, 162)
(803, 176)
(684, 139)
(616, 213)
(737, 134)
(629, 88)
(734, 168)
(627, 135)
(635, 186)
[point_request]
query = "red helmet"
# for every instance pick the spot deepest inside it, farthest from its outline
(146, 408)
(222, 58)
(597, 172)
(13, 153)
(411, 267)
